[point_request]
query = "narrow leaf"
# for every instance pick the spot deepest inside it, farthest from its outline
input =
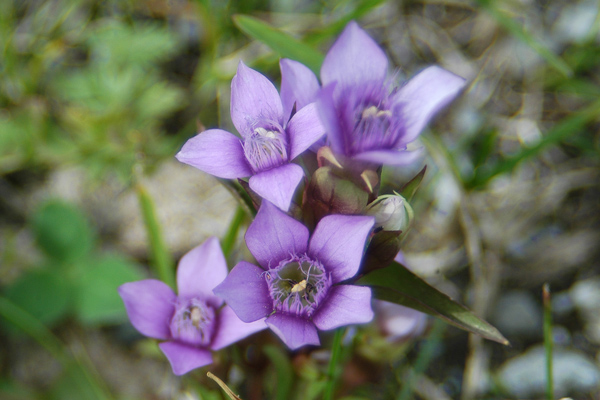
(411, 187)
(280, 42)
(397, 284)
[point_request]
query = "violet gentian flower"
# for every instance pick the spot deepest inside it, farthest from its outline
(365, 117)
(193, 322)
(270, 140)
(298, 285)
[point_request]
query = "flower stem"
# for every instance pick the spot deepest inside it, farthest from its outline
(232, 232)
(332, 370)
(548, 341)
(161, 260)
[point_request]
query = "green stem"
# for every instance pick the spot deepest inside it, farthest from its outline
(332, 372)
(232, 233)
(548, 341)
(161, 260)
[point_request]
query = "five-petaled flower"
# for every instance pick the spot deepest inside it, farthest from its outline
(366, 118)
(192, 323)
(298, 285)
(270, 140)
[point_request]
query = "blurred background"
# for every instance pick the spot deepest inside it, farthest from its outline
(96, 97)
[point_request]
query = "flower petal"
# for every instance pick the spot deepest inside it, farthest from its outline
(278, 184)
(338, 242)
(345, 305)
(246, 292)
(354, 58)
(231, 329)
(330, 118)
(201, 270)
(304, 129)
(216, 152)
(299, 85)
(390, 157)
(423, 96)
(184, 358)
(253, 98)
(274, 235)
(149, 305)
(294, 331)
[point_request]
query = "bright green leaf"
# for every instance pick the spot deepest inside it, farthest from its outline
(62, 231)
(280, 42)
(44, 294)
(398, 285)
(97, 298)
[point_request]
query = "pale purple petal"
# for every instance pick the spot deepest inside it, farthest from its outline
(330, 118)
(184, 358)
(399, 322)
(201, 270)
(344, 305)
(231, 329)
(274, 235)
(216, 152)
(294, 331)
(338, 242)
(246, 292)
(150, 306)
(390, 157)
(423, 96)
(299, 85)
(304, 129)
(278, 184)
(354, 58)
(253, 99)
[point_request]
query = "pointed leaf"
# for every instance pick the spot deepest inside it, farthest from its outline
(410, 188)
(280, 42)
(397, 284)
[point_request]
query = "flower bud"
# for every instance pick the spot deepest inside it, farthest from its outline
(329, 193)
(391, 212)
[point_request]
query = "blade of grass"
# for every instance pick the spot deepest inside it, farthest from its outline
(280, 42)
(568, 126)
(161, 260)
(232, 233)
(425, 356)
(548, 341)
(332, 370)
(35, 329)
(511, 25)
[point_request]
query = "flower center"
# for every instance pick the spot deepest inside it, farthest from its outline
(193, 322)
(266, 148)
(298, 285)
(373, 129)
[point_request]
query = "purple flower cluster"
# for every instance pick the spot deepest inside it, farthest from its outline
(307, 259)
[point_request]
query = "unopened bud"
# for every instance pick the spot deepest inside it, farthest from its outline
(391, 212)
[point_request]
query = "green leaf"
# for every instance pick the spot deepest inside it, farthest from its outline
(44, 294)
(97, 298)
(411, 187)
(280, 42)
(397, 284)
(62, 231)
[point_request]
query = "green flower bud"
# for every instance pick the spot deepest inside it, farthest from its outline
(391, 212)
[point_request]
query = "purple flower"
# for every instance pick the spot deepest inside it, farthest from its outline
(269, 141)
(298, 283)
(365, 117)
(193, 322)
